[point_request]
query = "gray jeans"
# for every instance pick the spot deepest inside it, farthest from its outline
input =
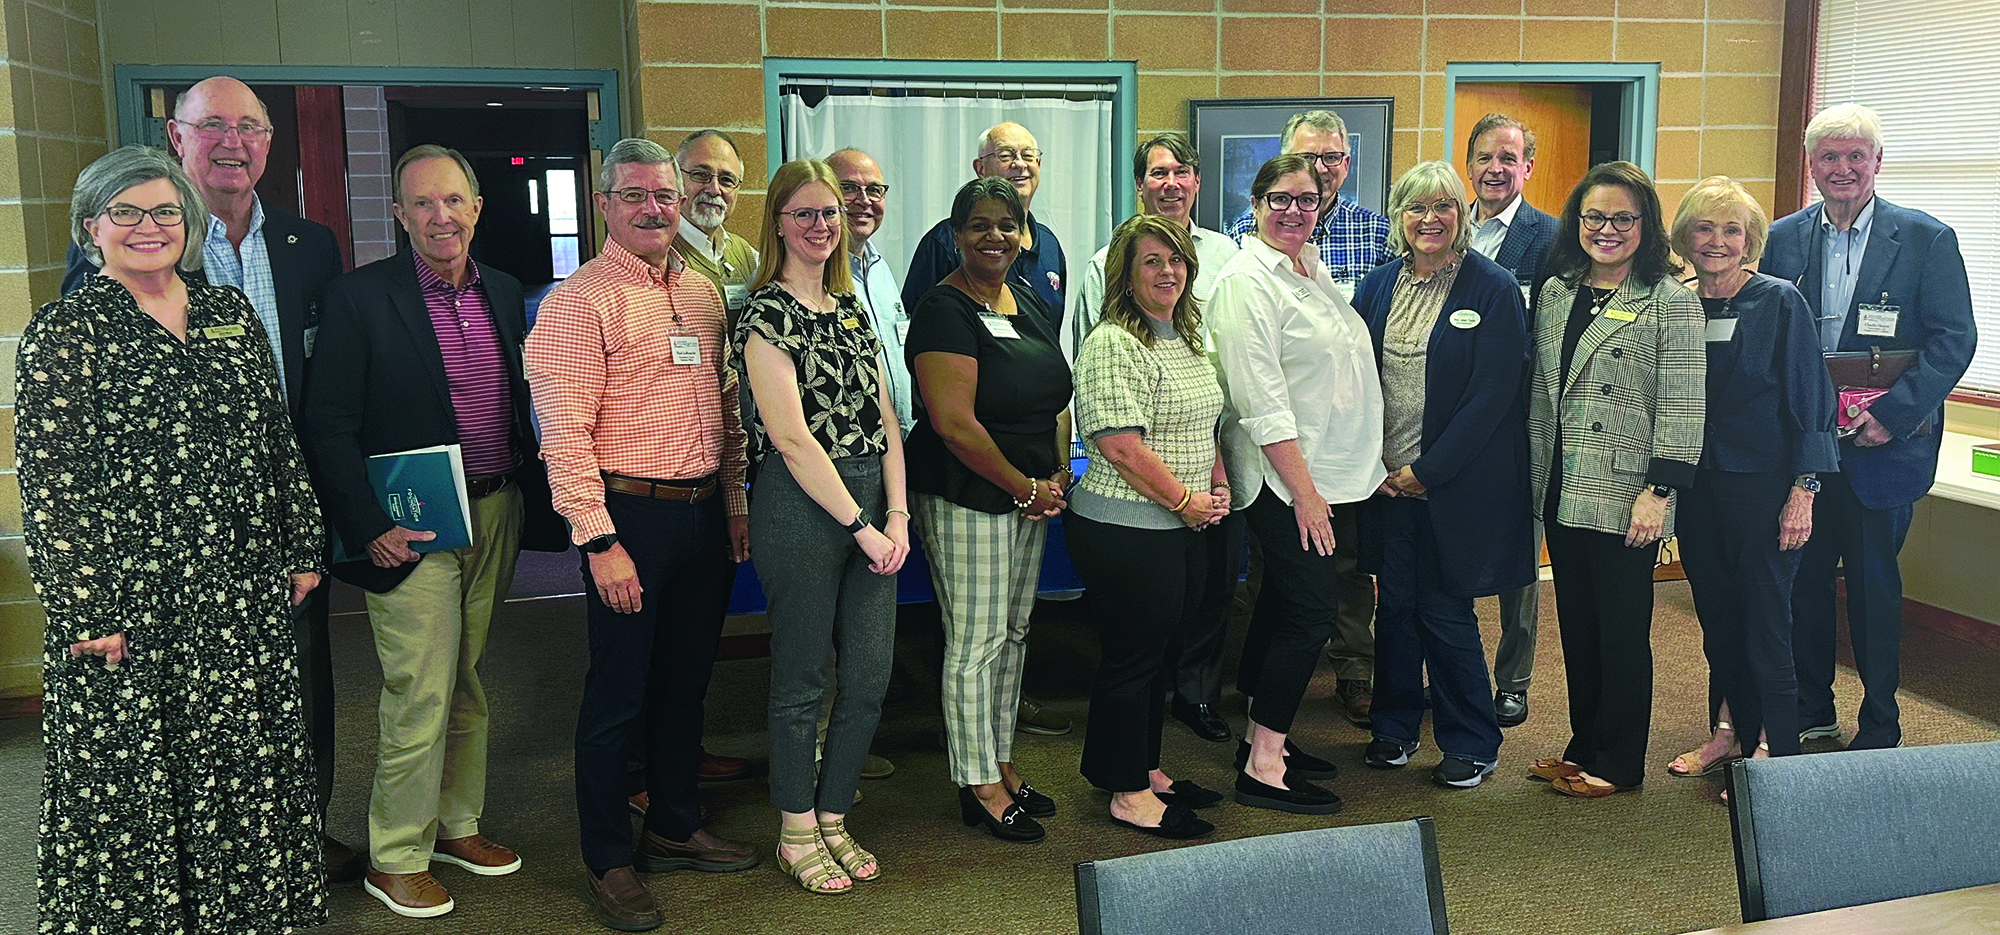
(822, 598)
(1514, 661)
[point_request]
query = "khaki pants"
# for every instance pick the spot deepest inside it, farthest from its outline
(430, 632)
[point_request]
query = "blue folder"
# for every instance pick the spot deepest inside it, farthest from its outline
(421, 489)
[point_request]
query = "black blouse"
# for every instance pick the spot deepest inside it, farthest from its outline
(838, 359)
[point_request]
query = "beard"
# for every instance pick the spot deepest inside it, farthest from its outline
(705, 216)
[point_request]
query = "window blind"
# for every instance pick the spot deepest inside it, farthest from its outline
(1929, 68)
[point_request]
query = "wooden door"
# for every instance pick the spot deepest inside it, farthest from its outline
(1559, 114)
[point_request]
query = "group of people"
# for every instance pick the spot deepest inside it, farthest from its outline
(1390, 411)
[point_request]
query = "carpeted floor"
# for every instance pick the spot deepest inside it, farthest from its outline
(1517, 858)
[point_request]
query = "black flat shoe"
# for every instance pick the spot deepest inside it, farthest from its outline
(1176, 824)
(1303, 798)
(1034, 803)
(1297, 762)
(1012, 825)
(1201, 719)
(1186, 794)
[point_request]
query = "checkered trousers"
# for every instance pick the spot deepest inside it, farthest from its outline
(984, 567)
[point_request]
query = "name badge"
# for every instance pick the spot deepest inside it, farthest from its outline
(1721, 329)
(1464, 318)
(999, 327)
(735, 295)
(687, 349)
(1618, 314)
(1879, 320)
(1346, 289)
(1527, 296)
(903, 329)
(850, 323)
(223, 331)
(1301, 293)
(311, 338)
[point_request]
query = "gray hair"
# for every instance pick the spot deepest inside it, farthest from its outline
(429, 151)
(180, 100)
(1845, 121)
(699, 135)
(632, 151)
(120, 169)
(1420, 182)
(1323, 120)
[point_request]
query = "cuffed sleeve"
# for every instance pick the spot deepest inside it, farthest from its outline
(1249, 344)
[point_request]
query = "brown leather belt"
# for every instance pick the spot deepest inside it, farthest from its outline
(480, 485)
(663, 489)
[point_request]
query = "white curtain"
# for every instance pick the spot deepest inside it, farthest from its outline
(925, 146)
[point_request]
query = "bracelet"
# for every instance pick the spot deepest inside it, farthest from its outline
(906, 513)
(1034, 490)
(1186, 495)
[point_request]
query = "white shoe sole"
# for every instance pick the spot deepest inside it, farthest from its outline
(1476, 779)
(1825, 732)
(481, 869)
(410, 912)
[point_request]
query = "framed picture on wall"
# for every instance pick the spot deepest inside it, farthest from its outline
(1236, 135)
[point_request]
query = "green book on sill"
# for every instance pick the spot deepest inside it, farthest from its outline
(1986, 459)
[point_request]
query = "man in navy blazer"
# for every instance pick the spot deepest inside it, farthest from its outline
(221, 132)
(1876, 275)
(1499, 159)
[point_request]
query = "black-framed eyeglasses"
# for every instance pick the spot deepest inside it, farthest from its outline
(215, 128)
(804, 217)
(667, 197)
(1279, 201)
(1620, 222)
(1441, 207)
(1330, 158)
(1030, 155)
(876, 191)
(125, 215)
(701, 177)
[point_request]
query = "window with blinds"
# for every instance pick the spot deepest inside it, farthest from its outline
(1930, 68)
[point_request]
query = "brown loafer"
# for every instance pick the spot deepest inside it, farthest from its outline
(638, 803)
(1578, 787)
(476, 854)
(622, 902)
(1357, 699)
(342, 863)
(413, 895)
(701, 851)
(721, 768)
(1553, 768)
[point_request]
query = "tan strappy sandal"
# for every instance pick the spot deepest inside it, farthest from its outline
(850, 854)
(816, 869)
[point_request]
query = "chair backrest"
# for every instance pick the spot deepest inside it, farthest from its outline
(1378, 879)
(1832, 830)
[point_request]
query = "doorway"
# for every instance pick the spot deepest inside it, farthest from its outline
(1583, 113)
(1560, 116)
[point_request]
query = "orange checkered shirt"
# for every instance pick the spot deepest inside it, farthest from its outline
(610, 397)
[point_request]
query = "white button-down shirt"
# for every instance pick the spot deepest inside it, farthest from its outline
(1297, 363)
(1488, 235)
(877, 289)
(1212, 249)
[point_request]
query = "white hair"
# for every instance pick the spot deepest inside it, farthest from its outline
(1842, 122)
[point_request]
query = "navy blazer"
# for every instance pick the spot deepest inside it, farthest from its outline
(1914, 259)
(1473, 462)
(377, 384)
(1526, 249)
(304, 258)
(1770, 402)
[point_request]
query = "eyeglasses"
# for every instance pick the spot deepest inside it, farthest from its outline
(667, 197)
(125, 215)
(215, 129)
(1417, 209)
(1279, 201)
(876, 191)
(1330, 158)
(701, 178)
(1029, 156)
(804, 217)
(1620, 222)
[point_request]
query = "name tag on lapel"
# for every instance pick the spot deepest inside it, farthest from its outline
(1618, 314)
(1878, 321)
(223, 331)
(1721, 329)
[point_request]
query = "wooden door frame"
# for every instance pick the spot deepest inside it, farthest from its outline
(1639, 83)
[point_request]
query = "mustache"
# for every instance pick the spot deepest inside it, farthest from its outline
(650, 222)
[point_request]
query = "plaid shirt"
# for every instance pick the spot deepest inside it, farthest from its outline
(1352, 240)
(247, 268)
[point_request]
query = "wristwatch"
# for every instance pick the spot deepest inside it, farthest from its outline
(599, 545)
(1806, 482)
(860, 520)
(1662, 491)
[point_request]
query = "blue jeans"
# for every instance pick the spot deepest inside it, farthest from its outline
(1418, 623)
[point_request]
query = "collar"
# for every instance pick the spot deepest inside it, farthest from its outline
(1506, 215)
(1273, 258)
(633, 267)
(866, 256)
(429, 281)
(219, 231)
(1862, 221)
(699, 240)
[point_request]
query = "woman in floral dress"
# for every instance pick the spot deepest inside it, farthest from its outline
(170, 528)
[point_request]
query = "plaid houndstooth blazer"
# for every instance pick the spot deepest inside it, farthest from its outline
(1633, 406)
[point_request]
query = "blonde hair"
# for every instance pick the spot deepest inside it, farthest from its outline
(1121, 307)
(1425, 180)
(1713, 198)
(1845, 121)
(785, 183)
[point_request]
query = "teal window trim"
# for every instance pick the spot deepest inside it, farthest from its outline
(1124, 99)
(1641, 90)
(135, 125)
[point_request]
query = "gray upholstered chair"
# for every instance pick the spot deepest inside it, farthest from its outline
(1832, 830)
(1378, 879)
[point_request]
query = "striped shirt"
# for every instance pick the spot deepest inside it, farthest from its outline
(610, 396)
(474, 367)
(1351, 239)
(248, 268)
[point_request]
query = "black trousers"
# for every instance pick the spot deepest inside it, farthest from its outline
(1297, 610)
(1145, 587)
(1194, 661)
(656, 661)
(1742, 585)
(309, 622)
(1865, 543)
(1604, 610)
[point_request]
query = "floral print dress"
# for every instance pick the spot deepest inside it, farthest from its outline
(165, 499)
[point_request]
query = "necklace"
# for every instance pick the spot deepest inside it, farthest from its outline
(815, 303)
(965, 285)
(1599, 298)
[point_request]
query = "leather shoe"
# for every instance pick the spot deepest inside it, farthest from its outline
(1303, 798)
(701, 851)
(1510, 708)
(622, 902)
(1297, 762)
(411, 895)
(1014, 824)
(1186, 794)
(1553, 768)
(1356, 697)
(342, 863)
(1201, 719)
(1033, 802)
(875, 767)
(1034, 719)
(1577, 787)
(1177, 823)
(474, 854)
(721, 768)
